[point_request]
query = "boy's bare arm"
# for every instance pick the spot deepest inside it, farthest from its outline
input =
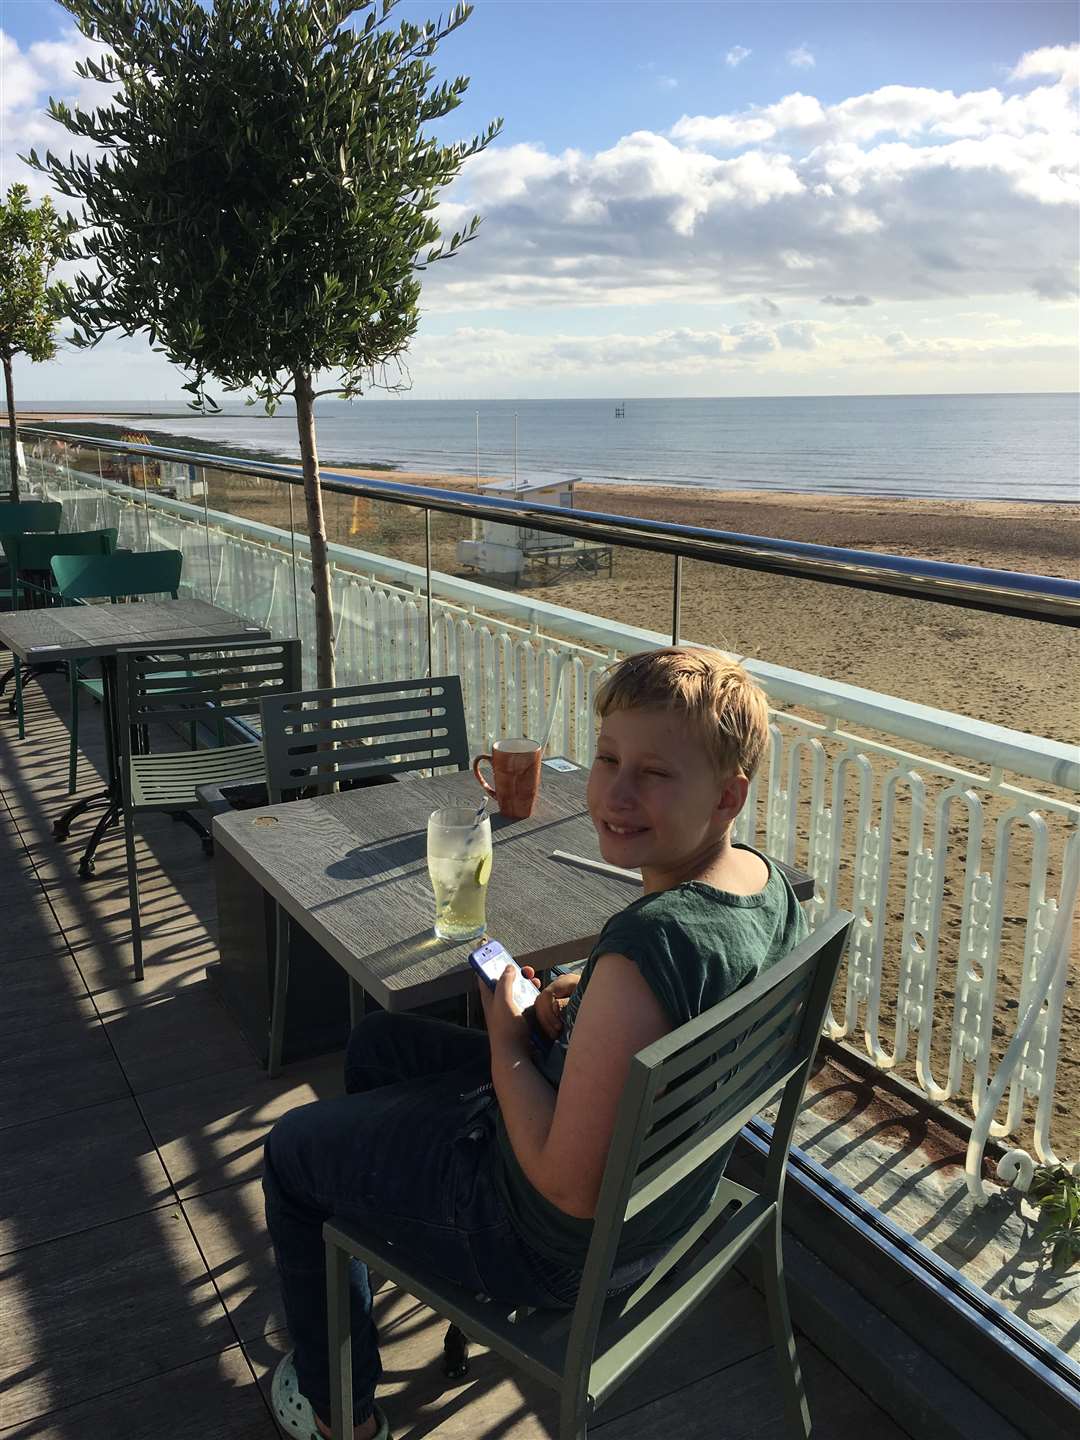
(561, 1140)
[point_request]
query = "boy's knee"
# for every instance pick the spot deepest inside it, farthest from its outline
(368, 1039)
(285, 1144)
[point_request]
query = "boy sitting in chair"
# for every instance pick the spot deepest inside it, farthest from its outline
(461, 1147)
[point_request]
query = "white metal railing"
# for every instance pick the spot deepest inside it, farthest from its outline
(943, 864)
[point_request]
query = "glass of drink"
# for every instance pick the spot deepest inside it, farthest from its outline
(459, 863)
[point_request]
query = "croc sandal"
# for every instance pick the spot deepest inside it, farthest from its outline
(292, 1409)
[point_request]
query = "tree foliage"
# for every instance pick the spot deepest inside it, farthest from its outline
(262, 196)
(33, 240)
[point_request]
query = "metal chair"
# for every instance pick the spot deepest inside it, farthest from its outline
(109, 577)
(686, 1097)
(180, 685)
(30, 557)
(26, 517)
(321, 738)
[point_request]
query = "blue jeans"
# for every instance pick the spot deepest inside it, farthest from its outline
(409, 1152)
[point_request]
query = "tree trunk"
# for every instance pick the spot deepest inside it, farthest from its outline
(13, 433)
(316, 527)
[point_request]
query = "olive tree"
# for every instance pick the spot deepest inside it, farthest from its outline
(261, 202)
(33, 239)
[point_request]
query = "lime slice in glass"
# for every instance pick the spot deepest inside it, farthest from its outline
(483, 870)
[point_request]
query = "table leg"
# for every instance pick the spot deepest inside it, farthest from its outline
(87, 864)
(110, 796)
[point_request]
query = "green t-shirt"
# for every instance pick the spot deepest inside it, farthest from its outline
(694, 945)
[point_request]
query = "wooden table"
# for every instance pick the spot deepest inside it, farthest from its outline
(88, 632)
(351, 869)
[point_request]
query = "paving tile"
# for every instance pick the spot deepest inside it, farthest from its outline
(29, 926)
(231, 1230)
(41, 990)
(57, 1068)
(175, 1038)
(210, 1132)
(747, 1395)
(89, 1313)
(213, 1399)
(422, 1404)
(75, 1171)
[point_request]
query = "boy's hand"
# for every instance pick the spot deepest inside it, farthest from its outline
(506, 1025)
(552, 1001)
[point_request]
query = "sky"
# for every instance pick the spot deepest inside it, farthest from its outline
(708, 199)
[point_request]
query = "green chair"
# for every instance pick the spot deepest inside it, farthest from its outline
(24, 517)
(317, 739)
(30, 558)
(114, 577)
(686, 1097)
(211, 684)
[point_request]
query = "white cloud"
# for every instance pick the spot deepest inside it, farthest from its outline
(801, 57)
(722, 132)
(1062, 61)
(798, 335)
(931, 202)
(736, 55)
(795, 112)
(19, 80)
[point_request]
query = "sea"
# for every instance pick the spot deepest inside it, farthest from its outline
(956, 447)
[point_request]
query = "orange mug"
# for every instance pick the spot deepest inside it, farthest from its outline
(515, 767)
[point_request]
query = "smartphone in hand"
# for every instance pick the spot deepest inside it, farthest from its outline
(490, 960)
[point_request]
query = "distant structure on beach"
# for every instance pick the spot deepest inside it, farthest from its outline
(620, 411)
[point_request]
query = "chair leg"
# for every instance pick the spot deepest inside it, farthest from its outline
(573, 1415)
(18, 701)
(281, 987)
(339, 1334)
(796, 1411)
(73, 743)
(133, 895)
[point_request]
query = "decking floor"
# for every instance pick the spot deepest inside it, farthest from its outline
(137, 1296)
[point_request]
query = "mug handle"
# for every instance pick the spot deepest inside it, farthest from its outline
(476, 771)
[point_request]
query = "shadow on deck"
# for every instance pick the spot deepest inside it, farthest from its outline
(137, 1297)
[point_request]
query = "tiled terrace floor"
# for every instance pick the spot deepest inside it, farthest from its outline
(136, 1292)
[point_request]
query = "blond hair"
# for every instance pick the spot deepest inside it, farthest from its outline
(715, 693)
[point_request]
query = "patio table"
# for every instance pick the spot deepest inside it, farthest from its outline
(86, 632)
(351, 869)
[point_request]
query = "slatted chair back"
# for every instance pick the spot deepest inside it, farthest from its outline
(118, 577)
(318, 738)
(25, 517)
(31, 557)
(212, 683)
(686, 1097)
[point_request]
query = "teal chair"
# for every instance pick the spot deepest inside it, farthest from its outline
(686, 1098)
(25, 517)
(113, 577)
(30, 558)
(221, 682)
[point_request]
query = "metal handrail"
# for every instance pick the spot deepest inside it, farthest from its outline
(1005, 592)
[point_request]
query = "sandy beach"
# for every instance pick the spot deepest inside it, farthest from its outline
(1022, 674)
